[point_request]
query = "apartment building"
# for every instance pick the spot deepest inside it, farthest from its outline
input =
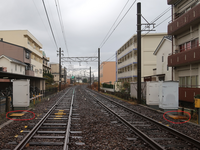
(55, 73)
(184, 58)
(46, 65)
(126, 57)
(107, 72)
(31, 45)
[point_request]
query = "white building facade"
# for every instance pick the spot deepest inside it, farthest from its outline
(126, 57)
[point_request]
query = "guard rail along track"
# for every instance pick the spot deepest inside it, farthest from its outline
(65, 102)
(157, 135)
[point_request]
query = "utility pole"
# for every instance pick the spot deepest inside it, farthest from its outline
(90, 77)
(98, 69)
(60, 69)
(65, 75)
(139, 52)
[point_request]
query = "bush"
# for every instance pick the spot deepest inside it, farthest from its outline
(105, 85)
(197, 96)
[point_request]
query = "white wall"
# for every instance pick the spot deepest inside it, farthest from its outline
(164, 51)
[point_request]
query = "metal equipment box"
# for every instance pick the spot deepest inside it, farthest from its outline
(168, 95)
(21, 93)
(197, 102)
(152, 93)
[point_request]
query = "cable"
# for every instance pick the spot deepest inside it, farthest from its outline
(50, 24)
(114, 23)
(61, 24)
(118, 24)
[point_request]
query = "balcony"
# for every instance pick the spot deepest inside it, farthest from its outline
(184, 58)
(191, 17)
(29, 73)
(187, 94)
(169, 2)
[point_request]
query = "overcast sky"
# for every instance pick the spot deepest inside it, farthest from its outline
(86, 23)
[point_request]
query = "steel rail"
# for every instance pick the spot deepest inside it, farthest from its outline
(143, 136)
(66, 143)
(27, 138)
(169, 129)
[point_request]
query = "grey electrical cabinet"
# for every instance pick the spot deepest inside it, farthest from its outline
(21, 93)
(168, 95)
(152, 93)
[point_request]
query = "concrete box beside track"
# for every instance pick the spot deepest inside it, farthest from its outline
(169, 94)
(21, 93)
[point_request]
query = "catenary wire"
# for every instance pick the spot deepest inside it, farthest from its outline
(114, 23)
(50, 24)
(61, 23)
(118, 24)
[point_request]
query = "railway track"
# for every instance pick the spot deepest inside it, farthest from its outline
(53, 129)
(157, 135)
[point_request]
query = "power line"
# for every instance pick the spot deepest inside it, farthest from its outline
(61, 23)
(114, 23)
(50, 24)
(118, 24)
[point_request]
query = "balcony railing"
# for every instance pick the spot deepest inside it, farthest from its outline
(183, 21)
(29, 73)
(169, 2)
(184, 57)
(187, 94)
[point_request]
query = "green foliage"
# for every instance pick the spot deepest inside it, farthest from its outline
(197, 96)
(105, 85)
(84, 80)
(49, 78)
(126, 87)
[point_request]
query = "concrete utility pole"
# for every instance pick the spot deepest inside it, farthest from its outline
(139, 52)
(60, 69)
(98, 69)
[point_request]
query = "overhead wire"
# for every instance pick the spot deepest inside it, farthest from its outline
(50, 24)
(114, 23)
(61, 24)
(117, 24)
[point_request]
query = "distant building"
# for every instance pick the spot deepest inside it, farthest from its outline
(46, 65)
(55, 73)
(107, 72)
(32, 49)
(126, 57)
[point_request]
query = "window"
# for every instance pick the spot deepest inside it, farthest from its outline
(188, 45)
(20, 68)
(27, 55)
(167, 68)
(162, 58)
(15, 67)
(182, 47)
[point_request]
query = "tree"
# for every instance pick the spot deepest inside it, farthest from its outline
(49, 78)
(84, 80)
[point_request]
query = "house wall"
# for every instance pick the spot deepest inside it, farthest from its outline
(162, 60)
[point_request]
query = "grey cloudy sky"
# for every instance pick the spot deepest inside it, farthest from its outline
(86, 23)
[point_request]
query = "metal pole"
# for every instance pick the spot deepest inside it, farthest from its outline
(60, 69)
(98, 69)
(139, 52)
(90, 78)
